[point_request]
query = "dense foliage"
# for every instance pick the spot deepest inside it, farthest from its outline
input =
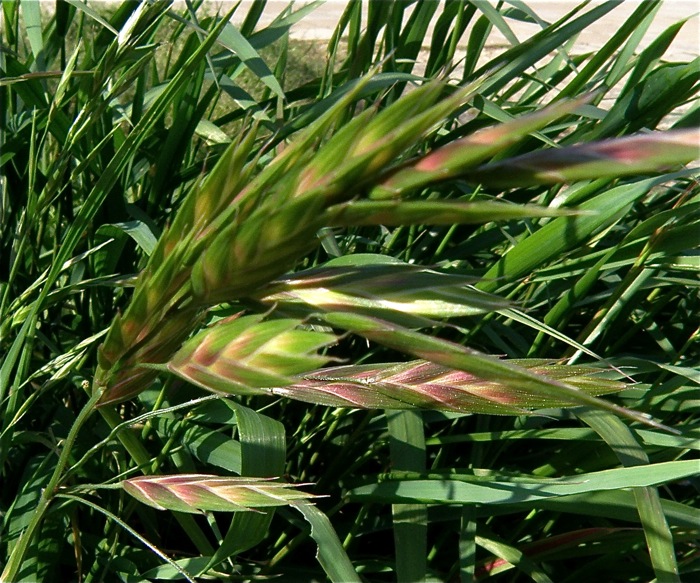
(371, 321)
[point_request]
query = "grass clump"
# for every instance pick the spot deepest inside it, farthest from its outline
(441, 305)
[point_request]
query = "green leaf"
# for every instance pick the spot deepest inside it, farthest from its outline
(34, 478)
(31, 11)
(612, 504)
(331, 554)
(565, 233)
(519, 58)
(170, 573)
(92, 13)
(656, 530)
(233, 40)
(691, 440)
(392, 212)
(263, 453)
(407, 449)
(210, 447)
(513, 556)
(465, 489)
(137, 230)
(263, 444)
(280, 26)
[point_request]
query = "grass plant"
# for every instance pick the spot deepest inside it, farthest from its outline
(375, 323)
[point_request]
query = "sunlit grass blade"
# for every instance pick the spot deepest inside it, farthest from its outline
(455, 488)
(330, 554)
(656, 530)
(517, 59)
(633, 29)
(511, 556)
(410, 521)
(562, 234)
(615, 505)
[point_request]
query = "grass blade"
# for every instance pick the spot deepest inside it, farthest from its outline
(656, 530)
(563, 234)
(407, 447)
(331, 554)
(466, 489)
(263, 454)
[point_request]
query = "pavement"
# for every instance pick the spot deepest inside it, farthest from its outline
(321, 22)
(319, 25)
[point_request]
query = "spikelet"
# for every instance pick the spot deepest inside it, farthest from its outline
(245, 355)
(195, 493)
(425, 385)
